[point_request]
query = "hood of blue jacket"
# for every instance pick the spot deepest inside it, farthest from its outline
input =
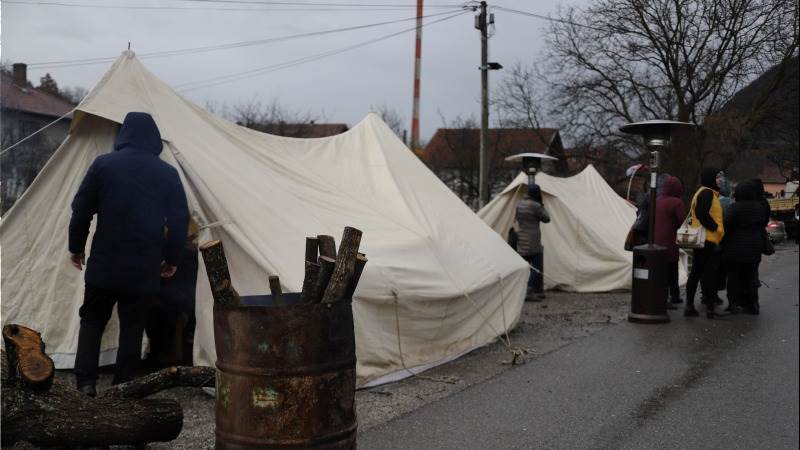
(139, 131)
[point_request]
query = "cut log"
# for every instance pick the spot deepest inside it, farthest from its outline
(61, 416)
(26, 357)
(361, 261)
(310, 280)
(327, 246)
(219, 276)
(345, 265)
(326, 266)
(312, 246)
(198, 376)
(275, 289)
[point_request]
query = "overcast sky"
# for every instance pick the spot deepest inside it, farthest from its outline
(341, 87)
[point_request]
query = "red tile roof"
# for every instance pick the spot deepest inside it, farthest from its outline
(447, 143)
(31, 100)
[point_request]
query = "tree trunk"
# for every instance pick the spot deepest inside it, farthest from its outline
(312, 246)
(361, 261)
(327, 246)
(310, 280)
(275, 289)
(218, 275)
(198, 376)
(26, 357)
(345, 265)
(326, 266)
(62, 416)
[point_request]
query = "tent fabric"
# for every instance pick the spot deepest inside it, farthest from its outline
(439, 282)
(584, 241)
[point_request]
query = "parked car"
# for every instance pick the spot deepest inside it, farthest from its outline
(776, 230)
(783, 209)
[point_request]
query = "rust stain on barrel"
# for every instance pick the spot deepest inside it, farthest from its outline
(265, 398)
(287, 377)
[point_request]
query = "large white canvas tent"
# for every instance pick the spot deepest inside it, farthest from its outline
(584, 242)
(439, 281)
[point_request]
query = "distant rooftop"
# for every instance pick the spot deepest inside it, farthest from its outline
(18, 96)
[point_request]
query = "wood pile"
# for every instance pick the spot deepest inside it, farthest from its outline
(46, 412)
(330, 275)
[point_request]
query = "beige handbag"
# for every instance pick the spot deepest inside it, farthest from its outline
(689, 236)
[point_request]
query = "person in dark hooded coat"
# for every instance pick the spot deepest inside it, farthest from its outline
(670, 214)
(530, 213)
(142, 219)
(706, 212)
(742, 246)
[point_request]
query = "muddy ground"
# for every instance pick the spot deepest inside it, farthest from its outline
(558, 320)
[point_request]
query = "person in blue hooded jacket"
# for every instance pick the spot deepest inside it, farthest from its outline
(142, 220)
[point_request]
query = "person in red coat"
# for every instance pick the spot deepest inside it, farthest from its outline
(670, 214)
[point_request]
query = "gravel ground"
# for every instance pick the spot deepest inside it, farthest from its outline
(544, 327)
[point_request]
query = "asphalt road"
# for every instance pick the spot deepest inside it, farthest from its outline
(693, 383)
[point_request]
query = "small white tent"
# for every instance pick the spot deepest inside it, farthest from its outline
(439, 282)
(584, 242)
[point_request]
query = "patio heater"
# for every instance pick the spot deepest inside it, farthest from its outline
(649, 287)
(531, 163)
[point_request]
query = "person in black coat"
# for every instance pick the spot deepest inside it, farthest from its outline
(141, 216)
(742, 246)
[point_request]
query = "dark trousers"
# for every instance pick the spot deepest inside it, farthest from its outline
(95, 312)
(536, 281)
(743, 284)
(705, 263)
(672, 280)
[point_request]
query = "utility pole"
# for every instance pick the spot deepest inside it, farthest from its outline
(417, 70)
(483, 179)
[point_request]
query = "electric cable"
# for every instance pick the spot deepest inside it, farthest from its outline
(543, 17)
(193, 50)
(193, 85)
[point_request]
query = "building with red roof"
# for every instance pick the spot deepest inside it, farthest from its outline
(23, 111)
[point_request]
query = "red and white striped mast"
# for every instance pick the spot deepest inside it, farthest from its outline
(417, 70)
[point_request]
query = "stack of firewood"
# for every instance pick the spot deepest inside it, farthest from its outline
(330, 276)
(44, 411)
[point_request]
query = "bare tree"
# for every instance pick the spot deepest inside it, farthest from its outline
(392, 118)
(523, 101)
(620, 61)
(74, 94)
(520, 100)
(256, 112)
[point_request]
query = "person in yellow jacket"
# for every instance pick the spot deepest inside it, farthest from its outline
(706, 212)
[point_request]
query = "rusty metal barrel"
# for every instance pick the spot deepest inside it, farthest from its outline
(286, 375)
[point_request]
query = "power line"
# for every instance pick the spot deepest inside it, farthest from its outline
(186, 51)
(332, 4)
(237, 76)
(190, 86)
(543, 17)
(190, 8)
(271, 6)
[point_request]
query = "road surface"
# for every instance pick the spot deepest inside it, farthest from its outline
(693, 383)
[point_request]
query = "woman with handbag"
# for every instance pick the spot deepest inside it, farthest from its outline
(705, 212)
(670, 213)
(742, 247)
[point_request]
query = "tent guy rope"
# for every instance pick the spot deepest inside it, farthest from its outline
(5, 150)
